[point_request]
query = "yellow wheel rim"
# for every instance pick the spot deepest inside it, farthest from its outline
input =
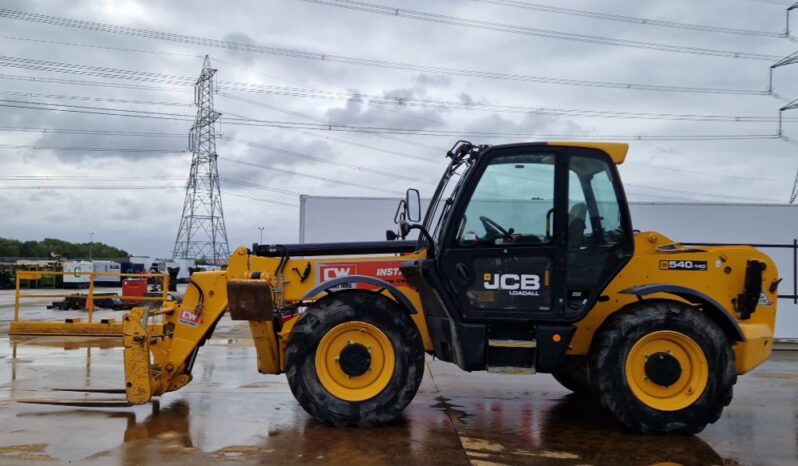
(651, 373)
(355, 361)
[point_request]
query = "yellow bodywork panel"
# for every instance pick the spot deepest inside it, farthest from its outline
(616, 150)
(756, 349)
(267, 348)
(722, 282)
(295, 288)
(138, 373)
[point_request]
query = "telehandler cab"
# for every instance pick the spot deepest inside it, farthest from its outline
(526, 262)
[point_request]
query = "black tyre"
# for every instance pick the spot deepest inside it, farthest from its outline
(663, 367)
(354, 359)
(573, 374)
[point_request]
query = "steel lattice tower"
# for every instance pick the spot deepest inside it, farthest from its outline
(202, 234)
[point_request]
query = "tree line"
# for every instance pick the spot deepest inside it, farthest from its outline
(51, 248)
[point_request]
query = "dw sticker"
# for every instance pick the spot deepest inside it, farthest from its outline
(189, 318)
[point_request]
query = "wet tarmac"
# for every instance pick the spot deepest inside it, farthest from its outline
(230, 414)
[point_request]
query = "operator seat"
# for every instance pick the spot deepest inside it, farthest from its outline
(576, 225)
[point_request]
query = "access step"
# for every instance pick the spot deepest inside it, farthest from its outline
(499, 343)
(510, 370)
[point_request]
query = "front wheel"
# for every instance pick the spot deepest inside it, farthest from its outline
(663, 367)
(354, 359)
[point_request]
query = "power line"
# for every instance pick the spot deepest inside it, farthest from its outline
(537, 32)
(308, 55)
(161, 134)
(91, 149)
(698, 193)
(492, 134)
(123, 74)
(181, 135)
(161, 187)
(259, 186)
(325, 161)
(321, 120)
(714, 174)
(40, 178)
(88, 188)
(260, 199)
(409, 131)
(372, 99)
(93, 99)
(82, 178)
(630, 19)
(80, 82)
(92, 110)
(308, 175)
(772, 2)
(478, 106)
(131, 188)
(364, 146)
(98, 71)
(89, 131)
(156, 52)
(102, 47)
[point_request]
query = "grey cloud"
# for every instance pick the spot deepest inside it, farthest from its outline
(242, 55)
(356, 111)
(433, 80)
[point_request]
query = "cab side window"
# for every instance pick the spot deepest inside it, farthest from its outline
(594, 214)
(513, 203)
(579, 225)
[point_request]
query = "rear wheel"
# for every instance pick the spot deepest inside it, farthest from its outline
(572, 373)
(663, 367)
(355, 359)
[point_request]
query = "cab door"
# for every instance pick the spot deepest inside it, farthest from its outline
(504, 247)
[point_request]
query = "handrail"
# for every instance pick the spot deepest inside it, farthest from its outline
(90, 298)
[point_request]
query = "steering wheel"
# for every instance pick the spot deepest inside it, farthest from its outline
(493, 229)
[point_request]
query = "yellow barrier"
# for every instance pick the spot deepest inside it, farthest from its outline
(106, 327)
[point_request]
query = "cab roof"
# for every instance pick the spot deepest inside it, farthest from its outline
(616, 150)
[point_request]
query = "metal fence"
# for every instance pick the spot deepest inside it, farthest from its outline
(106, 327)
(781, 246)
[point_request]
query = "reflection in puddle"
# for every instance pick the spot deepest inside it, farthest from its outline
(572, 431)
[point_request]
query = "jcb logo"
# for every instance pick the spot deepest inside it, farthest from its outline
(512, 281)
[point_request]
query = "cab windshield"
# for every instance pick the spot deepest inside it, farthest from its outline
(441, 203)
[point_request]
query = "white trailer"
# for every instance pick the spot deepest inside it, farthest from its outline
(76, 274)
(771, 227)
(143, 260)
(102, 266)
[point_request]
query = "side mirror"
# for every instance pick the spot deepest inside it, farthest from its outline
(413, 205)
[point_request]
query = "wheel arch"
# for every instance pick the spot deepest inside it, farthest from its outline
(396, 294)
(713, 309)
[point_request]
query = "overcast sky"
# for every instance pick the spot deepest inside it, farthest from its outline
(145, 221)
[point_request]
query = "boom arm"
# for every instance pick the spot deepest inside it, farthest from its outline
(160, 363)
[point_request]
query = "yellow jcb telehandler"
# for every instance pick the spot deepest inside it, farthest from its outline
(526, 261)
